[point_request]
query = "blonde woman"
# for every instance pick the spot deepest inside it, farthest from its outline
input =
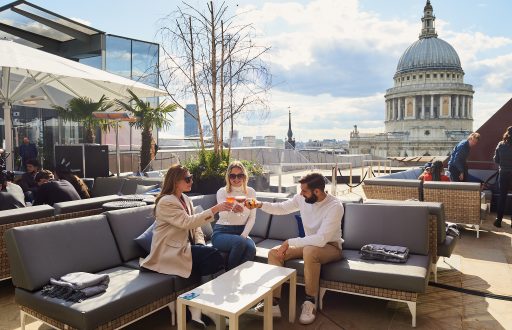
(178, 246)
(231, 233)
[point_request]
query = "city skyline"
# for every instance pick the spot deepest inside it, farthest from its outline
(332, 61)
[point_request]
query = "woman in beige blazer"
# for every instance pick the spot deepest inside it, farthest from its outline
(178, 246)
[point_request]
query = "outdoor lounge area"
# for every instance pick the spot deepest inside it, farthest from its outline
(481, 265)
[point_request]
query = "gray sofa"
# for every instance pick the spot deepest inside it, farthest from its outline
(39, 252)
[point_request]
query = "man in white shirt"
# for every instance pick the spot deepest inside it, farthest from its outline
(321, 217)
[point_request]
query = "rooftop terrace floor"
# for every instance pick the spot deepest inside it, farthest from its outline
(483, 264)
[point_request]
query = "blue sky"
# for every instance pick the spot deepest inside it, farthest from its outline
(332, 60)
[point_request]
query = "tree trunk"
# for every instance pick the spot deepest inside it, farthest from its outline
(89, 134)
(145, 149)
(215, 133)
(194, 84)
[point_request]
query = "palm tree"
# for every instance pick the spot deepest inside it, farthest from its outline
(80, 109)
(148, 117)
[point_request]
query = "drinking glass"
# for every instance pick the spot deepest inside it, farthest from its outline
(231, 200)
(241, 201)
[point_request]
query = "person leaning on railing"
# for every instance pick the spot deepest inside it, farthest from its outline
(503, 157)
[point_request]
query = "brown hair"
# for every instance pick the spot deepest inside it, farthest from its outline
(474, 136)
(314, 181)
(507, 135)
(43, 174)
(174, 174)
(239, 165)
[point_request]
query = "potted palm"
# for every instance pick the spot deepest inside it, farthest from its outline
(80, 110)
(148, 117)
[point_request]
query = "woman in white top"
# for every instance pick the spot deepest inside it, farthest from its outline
(231, 233)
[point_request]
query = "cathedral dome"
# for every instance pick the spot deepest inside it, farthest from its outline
(429, 54)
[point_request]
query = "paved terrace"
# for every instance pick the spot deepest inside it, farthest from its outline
(483, 264)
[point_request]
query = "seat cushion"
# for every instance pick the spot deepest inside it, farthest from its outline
(445, 249)
(411, 276)
(263, 247)
(128, 290)
(26, 213)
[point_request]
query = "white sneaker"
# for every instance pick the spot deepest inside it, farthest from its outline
(260, 307)
(308, 313)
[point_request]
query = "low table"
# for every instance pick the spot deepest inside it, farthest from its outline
(236, 291)
(117, 205)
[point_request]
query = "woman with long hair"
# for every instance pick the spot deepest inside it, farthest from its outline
(436, 172)
(63, 173)
(503, 157)
(231, 232)
(178, 246)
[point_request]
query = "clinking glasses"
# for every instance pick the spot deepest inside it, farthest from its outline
(188, 179)
(240, 176)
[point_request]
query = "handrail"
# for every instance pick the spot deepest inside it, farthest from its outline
(386, 164)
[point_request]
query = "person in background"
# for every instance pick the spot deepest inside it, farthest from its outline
(436, 173)
(53, 191)
(63, 173)
(231, 232)
(178, 246)
(503, 157)
(457, 164)
(426, 170)
(27, 150)
(11, 195)
(27, 181)
(321, 216)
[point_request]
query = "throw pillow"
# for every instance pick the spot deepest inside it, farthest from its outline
(144, 239)
(207, 227)
(300, 225)
(141, 189)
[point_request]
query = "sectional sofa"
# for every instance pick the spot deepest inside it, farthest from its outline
(464, 202)
(105, 244)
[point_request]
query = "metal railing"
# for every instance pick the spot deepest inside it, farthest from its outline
(381, 163)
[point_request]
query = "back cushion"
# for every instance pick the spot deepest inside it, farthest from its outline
(26, 213)
(386, 224)
(128, 224)
(283, 227)
(206, 201)
(40, 252)
(107, 186)
(83, 204)
(261, 224)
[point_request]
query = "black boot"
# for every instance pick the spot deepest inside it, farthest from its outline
(497, 223)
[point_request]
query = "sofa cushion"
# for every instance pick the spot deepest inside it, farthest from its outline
(395, 182)
(83, 204)
(53, 249)
(475, 186)
(206, 201)
(131, 184)
(206, 228)
(261, 224)
(26, 213)
(142, 189)
(386, 224)
(283, 227)
(263, 247)
(104, 186)
(445, 248)
(127, 224)
(411, 276)
(128, 290)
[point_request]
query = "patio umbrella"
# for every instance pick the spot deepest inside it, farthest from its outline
(28, 73)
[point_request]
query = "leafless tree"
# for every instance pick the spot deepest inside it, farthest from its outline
(211, 58)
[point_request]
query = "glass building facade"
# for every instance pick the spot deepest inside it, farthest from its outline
(133, 59)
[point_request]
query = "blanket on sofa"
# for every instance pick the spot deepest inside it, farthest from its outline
(77, 286)
(391, 253)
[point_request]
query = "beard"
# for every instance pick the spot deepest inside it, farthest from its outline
(311, 200)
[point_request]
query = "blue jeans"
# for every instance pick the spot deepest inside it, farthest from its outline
(227, 239)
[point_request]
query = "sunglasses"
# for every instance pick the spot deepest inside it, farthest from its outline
(188, 179)
(240, 176)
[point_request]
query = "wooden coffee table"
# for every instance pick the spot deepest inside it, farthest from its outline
(236, 291)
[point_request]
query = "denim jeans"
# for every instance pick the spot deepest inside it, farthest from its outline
(227, 239)
(206, 260)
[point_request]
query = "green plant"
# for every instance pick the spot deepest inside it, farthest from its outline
(80, 110)
(148, 117)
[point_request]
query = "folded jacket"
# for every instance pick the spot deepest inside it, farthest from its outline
(77, 286)
(382, 252)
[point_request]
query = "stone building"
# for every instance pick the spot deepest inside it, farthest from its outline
(429, 109)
